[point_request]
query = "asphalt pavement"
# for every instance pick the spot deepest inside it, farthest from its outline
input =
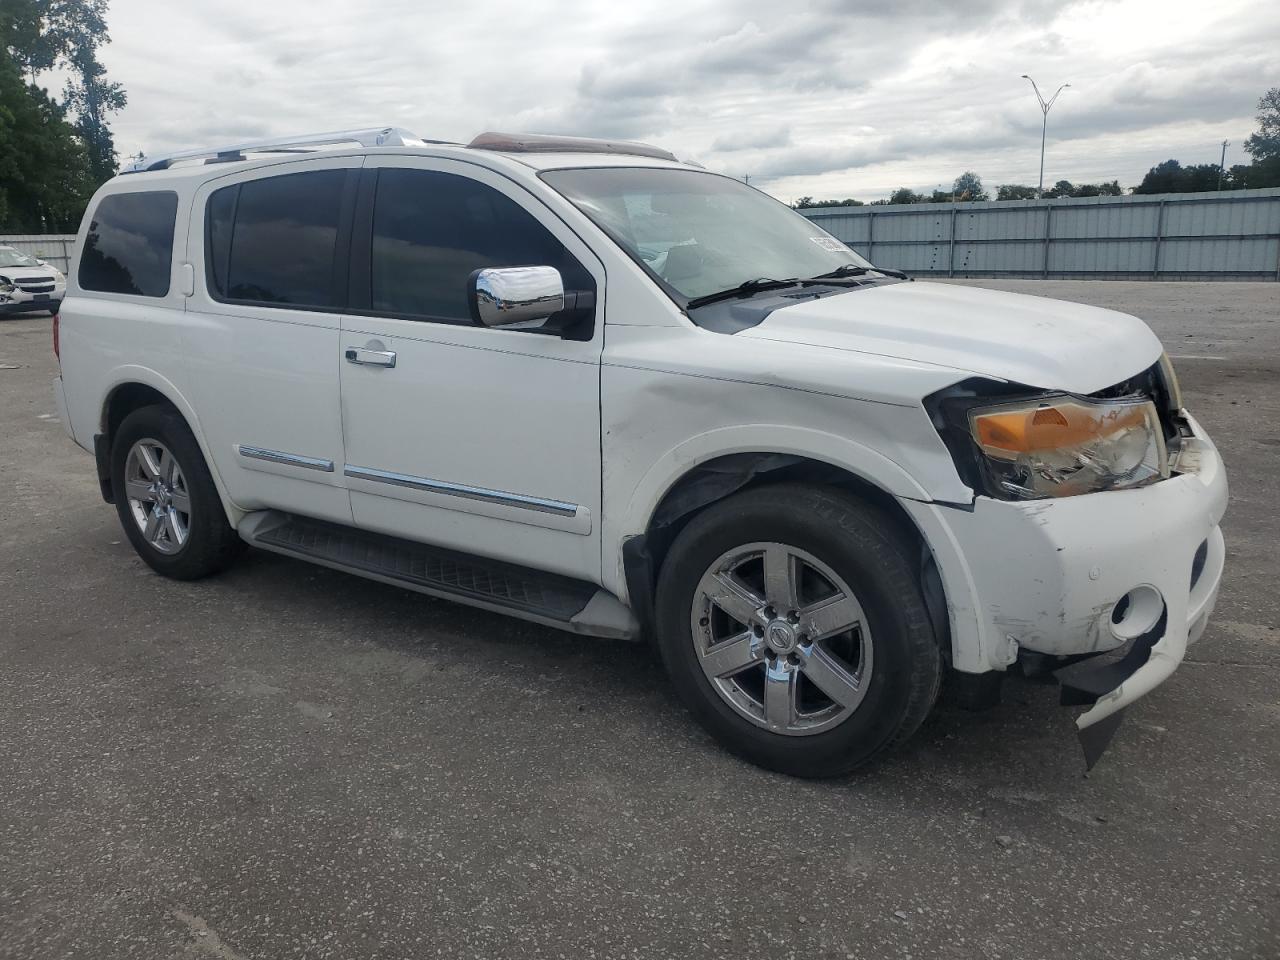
(286, 761)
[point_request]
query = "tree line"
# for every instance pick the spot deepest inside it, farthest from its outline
(53, 152)
(1263, 148)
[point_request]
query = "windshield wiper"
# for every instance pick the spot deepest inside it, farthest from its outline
(741, 290)
(853, 270)
(847, 270)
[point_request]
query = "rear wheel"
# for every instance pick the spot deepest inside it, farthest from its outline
(794, 628)
(166, 498)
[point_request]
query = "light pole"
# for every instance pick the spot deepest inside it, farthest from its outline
(1045, 106)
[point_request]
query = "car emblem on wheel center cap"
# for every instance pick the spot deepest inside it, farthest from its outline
(781, 636)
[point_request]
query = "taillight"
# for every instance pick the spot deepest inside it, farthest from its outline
(57, 347)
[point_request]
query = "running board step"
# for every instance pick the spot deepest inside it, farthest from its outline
(546, 598)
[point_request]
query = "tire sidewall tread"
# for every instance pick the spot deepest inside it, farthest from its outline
(212, 543)
(863, 544)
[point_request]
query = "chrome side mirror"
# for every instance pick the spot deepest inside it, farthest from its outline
(509, 296)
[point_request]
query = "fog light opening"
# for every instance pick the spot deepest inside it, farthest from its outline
(1137, 612)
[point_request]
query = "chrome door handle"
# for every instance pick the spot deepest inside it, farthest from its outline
(373, 358)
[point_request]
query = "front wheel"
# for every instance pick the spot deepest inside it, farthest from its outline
(793, 625)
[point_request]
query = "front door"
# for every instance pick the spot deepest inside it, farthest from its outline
(480, 439)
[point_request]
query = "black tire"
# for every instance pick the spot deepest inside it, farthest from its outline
(866, 548)
(54, 308)
(211, 543)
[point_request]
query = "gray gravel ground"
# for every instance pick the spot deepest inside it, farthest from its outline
(286, 761)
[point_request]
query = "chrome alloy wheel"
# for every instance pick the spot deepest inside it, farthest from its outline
(157, 494)
(782, 638)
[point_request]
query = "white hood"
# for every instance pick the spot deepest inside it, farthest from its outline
(1044, 343)
(28, 273)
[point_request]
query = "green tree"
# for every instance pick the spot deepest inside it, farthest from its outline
(92, 96)
(1015, 191)
(1109, 189)
(45, 181)
(1260, 173)
(42, 34)
(968, 186)
(1173, 177)
(1265, 144)
(905, 195)
(805, 202)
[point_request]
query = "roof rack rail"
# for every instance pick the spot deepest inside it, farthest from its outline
(373, 137)
(542, 143)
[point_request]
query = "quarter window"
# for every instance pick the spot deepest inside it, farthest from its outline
(274, 240)
(431, 230)
(129, 246)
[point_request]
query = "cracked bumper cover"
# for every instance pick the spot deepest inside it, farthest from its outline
(1047, 574)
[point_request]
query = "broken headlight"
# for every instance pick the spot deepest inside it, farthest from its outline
(1059, 446)
(1173, 390)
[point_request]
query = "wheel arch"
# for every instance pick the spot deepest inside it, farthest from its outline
(715, 478)
(134, 388)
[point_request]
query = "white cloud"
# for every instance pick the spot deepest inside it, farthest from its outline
(828, 99)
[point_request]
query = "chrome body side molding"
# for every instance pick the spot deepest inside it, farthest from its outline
(288, 459)
(539, 504)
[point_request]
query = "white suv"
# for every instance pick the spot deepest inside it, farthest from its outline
(586, 384)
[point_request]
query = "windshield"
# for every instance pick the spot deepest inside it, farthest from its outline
(700, 233)
(10, 257)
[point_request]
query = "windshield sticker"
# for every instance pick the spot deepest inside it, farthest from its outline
(830, 243)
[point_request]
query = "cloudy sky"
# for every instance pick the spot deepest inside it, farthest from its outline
(829, 99)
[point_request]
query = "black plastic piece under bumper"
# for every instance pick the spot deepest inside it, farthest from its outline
(1085, 681)
(102, 457)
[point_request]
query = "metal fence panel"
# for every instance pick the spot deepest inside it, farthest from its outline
(1230, 235)
(52, 248)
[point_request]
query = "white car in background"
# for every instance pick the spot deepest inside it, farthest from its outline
(28, 284)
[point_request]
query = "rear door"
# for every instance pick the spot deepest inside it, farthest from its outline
(481, 439)
(269, 252)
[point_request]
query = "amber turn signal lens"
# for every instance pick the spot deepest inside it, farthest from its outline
(1053, 426)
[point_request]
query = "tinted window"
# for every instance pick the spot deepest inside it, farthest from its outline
(431, 230)
(221, 215)
(130, 244)
(282, 237)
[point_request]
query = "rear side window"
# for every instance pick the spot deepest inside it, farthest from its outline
(431, 230)
(275, 240)
(129, 247)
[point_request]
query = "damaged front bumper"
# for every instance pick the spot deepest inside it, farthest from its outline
(1090, 575)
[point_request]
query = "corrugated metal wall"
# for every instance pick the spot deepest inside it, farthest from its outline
(53, 248)
(1233, 235)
